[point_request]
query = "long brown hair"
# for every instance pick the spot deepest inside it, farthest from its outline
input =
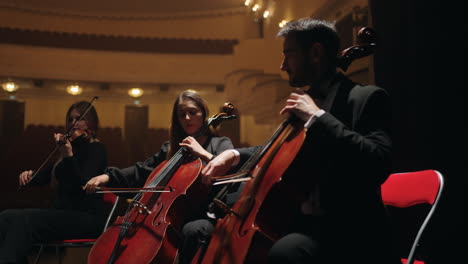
(176, 132)
(91, 118)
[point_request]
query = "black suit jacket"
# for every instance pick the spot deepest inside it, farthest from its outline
(345, 158)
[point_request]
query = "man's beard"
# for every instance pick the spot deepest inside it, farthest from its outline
(302, 78)
(297, 82)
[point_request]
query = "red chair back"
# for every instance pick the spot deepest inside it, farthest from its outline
(411, 188)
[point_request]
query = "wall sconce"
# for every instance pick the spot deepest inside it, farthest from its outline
(10, 87)
(256, 7)
(74, 89)
(282, 23)
(136, 93)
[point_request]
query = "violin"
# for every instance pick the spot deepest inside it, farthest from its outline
(72, 134)
(248, 230)
(79, 135)
(151, 227)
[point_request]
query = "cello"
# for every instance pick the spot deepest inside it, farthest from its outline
(247, 231)
(150, 228)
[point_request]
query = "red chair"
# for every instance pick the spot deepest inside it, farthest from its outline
(411, 188)
(111, 200)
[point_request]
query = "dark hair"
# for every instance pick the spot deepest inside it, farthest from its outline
(91, 117)
(176, 132)
(309, 30)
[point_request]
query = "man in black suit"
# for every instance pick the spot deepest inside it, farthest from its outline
(342, 162)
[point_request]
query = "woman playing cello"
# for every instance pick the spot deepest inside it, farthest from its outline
(189, 117)
(74, 214)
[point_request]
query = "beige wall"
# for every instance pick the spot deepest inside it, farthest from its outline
(217, 24)
(251, 75)
(89, 65)
(51, 111)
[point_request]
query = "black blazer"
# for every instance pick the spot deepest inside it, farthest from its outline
(346, 156)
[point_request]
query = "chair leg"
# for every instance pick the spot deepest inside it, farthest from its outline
(41, 248)
(38, 256)
(58, 254)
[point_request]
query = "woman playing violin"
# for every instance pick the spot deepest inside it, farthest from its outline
(74, 214)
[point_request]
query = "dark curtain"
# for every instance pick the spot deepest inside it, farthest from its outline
(420, 61)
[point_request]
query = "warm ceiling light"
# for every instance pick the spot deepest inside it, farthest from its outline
(10, 86)
(282, 23)
(256, 7)
(266, 14)
(247, 2)
(74, 89)
(135, 92)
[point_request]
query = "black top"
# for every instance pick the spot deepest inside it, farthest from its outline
(72, 173)
(136, 175)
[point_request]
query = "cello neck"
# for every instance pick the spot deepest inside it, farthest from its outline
(253, 160)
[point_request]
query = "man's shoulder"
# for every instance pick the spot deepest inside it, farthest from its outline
(360, 90)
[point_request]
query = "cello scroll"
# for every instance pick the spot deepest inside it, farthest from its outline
(367, 43)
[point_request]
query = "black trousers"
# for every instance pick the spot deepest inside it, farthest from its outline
(21, 228)
(196, 236)
(314, 240)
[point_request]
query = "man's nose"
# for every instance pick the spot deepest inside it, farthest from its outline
(283, 66)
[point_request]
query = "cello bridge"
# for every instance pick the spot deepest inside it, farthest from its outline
(140, 207)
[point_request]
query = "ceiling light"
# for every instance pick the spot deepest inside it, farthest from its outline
(10, 86)
(74, 89)
(256, 7)
(135, 92)
(282, 23)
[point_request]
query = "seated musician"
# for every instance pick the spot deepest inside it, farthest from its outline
(342, 163)
(189, 116)
(73, 214)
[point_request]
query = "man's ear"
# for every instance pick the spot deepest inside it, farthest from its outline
(316, 52)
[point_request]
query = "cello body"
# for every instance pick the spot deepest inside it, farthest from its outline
(154, 222)
(150, 231)
(231, 240)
